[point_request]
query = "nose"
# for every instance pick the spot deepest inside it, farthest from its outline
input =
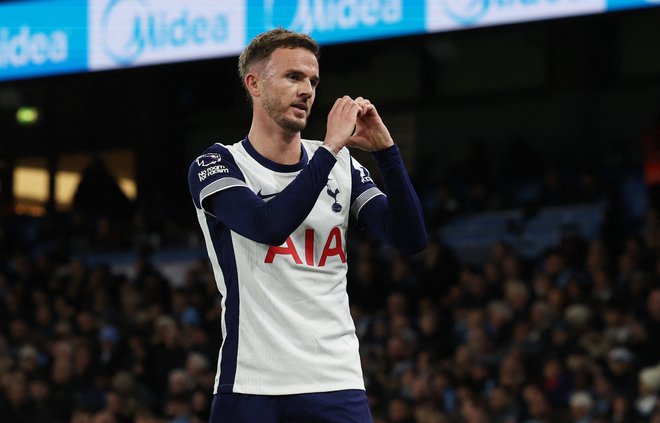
(306, 89)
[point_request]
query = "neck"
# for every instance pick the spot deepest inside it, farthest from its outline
(273, 142)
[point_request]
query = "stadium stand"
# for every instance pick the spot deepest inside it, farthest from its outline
(515, 315)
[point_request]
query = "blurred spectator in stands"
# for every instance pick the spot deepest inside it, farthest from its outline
(619, 369)
(554, 190)
(63, 386)
(581, 405)
(602, 290)
(439, 270)
(499, 323)
(111, 351)
(556, 382)
(556, 267)
(98, 193)
(17, 406)
(474, 411)
(400, 411)
(603, 395)
(647, 401)
(617, 330)
(167, 352)
(588, 189)
(502, 406)
(622, 411)
(517, 297)
(650, 349)
(651, 151)
(42, 402)
(539, 409)
(440, 205)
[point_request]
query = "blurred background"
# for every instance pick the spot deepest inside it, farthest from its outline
(530, 128)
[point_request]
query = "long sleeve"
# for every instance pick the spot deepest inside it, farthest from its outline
(396, 218)
(271, 222)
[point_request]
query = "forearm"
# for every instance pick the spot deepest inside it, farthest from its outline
(398, 218)
(271, 222)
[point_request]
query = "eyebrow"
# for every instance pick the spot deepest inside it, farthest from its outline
(316, 78)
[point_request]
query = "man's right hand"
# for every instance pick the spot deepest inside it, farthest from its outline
(341, 123)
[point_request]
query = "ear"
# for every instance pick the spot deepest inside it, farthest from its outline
(253, 85)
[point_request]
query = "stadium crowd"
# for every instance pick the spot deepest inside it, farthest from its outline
(569, 336)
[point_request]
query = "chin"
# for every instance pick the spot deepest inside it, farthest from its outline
(294, 125)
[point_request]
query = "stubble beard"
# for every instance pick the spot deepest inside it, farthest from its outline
(289, 125)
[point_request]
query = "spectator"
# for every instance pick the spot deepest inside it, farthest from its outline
(581, 407)
(647, 401)
(514, 338)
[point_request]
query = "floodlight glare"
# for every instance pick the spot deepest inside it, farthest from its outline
(27, 115)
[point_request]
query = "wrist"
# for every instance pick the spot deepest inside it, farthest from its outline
(327, 147)
(386, 154)
(333, 147)
(385, 146)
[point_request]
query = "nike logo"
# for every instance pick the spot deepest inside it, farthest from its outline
(266, 196)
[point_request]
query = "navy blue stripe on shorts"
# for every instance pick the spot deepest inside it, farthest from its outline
(347, 406)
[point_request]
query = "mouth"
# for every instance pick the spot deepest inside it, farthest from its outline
(300, 106)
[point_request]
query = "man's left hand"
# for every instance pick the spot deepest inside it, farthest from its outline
(370, 134)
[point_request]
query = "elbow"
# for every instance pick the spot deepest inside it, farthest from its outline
(273, 237)
(267, 232)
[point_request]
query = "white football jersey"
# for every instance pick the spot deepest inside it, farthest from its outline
(286, 324)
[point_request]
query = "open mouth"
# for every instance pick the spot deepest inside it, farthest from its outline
(300, 106)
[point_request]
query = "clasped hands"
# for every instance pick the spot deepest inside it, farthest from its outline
(356, 123)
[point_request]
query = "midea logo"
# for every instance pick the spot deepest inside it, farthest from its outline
(130, 28)
(465, 12)
(325, 15)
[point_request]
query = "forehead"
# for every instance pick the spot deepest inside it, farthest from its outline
(298, 59)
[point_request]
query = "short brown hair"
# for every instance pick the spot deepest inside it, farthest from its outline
(264, 44)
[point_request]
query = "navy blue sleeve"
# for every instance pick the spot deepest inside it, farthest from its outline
(212, 172)
(396, 218)
(271, 222)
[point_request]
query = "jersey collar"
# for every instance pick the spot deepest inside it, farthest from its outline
(269, 164)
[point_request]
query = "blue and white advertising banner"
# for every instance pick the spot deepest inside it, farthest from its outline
(127, 33)
(336, 21)
(446, 15)
(630, 4)
(42, 37)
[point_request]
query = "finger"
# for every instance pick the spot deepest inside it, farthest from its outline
(347, 104)
(336, 106)
(350, 109)
(369, 108)
(364, 102)
(365, 105)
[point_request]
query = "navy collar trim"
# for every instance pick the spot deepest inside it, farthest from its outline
(269, 164)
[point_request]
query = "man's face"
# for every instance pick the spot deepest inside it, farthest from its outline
(289, 79)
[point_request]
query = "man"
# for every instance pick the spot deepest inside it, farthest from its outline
(274, 210)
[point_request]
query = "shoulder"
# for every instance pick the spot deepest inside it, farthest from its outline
(215, 154)
(218, 161)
